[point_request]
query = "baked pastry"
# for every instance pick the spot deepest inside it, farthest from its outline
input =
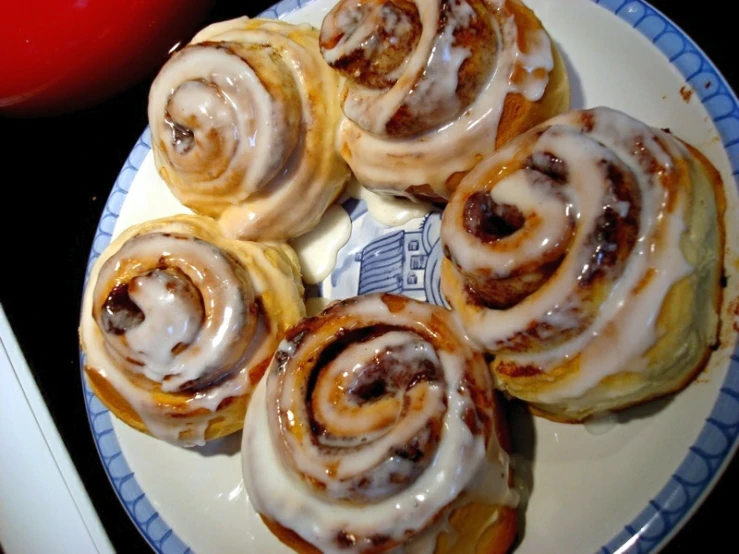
(375, 426)
(179, 324)
(433, 87)
(243, 124)
(587, 254)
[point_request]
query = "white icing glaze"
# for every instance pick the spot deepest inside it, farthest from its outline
(175, 431)
(459, 462)
(147, 348)
(166, 313)
(376, 430)
(169, 320)
(550, 227)
(624, 327)
(393, 164)
(233, 105)
(318, 248)
(436, 58)
(357, 23)
(539, 56)
(490, 484)
(243, 128)
(392, 211)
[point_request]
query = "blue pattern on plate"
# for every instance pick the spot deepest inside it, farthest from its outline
(408, 261)
(403, 262)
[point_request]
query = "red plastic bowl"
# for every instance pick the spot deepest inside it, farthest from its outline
(61, 55)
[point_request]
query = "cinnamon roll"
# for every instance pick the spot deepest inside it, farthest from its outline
(376, 428)
(179, 324)
(243, 123)
(587, 255)
(433, 87)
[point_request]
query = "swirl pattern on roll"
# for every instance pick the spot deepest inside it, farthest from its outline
(586, 255)
(376, 407)
(432, 87)
(243, 124)
(179, 323)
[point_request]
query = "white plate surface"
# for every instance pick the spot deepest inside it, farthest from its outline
(627, 489)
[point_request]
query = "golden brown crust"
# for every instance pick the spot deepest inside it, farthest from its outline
(718, 187)
(289, 537)
(389, 51)
(401, 139)
(472, 534)
(256, 135)
(479, 528)
(499, 538)
(689, 299)
(494, 527)
(227, 419)
(580, 418)
(303, 373)
(475, 534)
(271, 310)
(519, 114)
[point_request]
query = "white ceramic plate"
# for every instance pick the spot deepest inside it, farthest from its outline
(621, 487)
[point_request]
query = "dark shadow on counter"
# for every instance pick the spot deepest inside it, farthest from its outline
(523, 443)
(577, 94)
(227, 446)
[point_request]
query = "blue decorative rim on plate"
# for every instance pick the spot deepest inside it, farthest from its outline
(706, 458)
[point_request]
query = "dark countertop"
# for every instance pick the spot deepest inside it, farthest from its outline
(72, 161)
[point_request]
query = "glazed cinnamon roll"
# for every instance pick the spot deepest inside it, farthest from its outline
(433, 87)
(243, 124)
(587, 255)
(376, 428)
(179, 324)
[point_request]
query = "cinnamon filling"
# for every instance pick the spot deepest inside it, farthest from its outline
(617, 228)
(489, 221)
(120, 313)
(386, 379)
(549, 165)
(182, 138)
(382, 376)
(383, 50)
